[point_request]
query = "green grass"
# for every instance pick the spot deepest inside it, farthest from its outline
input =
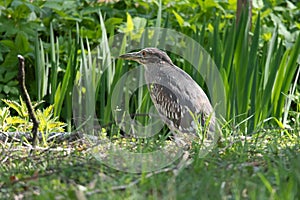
(263, 166)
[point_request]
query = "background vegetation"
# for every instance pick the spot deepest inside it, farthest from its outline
(258, 62)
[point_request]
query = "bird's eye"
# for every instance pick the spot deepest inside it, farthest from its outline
(144, 53)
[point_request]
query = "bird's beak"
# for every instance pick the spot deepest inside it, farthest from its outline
(136, 56)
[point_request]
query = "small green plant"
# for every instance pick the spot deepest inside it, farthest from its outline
(21, 122)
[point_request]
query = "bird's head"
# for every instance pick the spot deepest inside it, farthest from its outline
(148, 56)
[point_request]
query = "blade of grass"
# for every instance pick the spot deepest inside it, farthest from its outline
(53, 78)
(251, 70)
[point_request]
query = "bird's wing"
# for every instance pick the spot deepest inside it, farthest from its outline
(195, 100)
(191, 96)
(187, 90)
(171, 87)
(167, 104)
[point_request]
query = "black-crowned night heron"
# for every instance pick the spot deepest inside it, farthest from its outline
(179, 100)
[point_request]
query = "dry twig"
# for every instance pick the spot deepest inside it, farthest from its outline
(21, 77)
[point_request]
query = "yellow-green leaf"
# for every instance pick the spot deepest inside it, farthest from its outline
(15, 120)
(178, 18)
(130, 24)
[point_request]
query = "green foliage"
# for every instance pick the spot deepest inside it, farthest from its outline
(58, 29)
(18, 26)
(23, 27)
(254, 82)
(281, 15)
(21, 122)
